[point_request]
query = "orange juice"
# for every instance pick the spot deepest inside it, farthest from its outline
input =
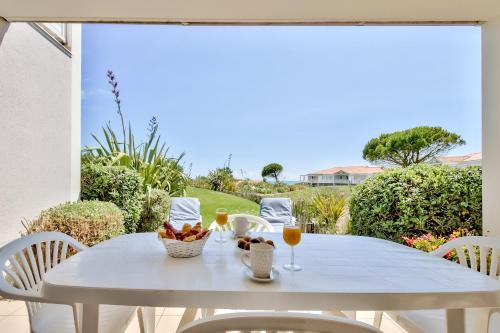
(221, 218)
(291, 235)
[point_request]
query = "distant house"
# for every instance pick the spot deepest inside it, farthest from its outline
(348, 175)
(459, 161)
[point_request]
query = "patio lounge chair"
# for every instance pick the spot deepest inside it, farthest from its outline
(184, 210)
(477, 320)
(276, 321)
(277, 211)
(24, 263)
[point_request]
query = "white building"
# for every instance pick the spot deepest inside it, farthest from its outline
(39, 120)
(459, 161)
(348, 175)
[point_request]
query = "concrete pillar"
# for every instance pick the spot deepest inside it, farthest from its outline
(491, 127)
(75, 39)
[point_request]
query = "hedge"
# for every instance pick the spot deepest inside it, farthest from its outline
(417, 200)
(154, 210)
(119, 185)
(89, 222)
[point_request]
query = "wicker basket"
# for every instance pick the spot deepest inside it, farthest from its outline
(180, 249)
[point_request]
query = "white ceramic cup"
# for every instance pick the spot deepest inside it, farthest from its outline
(261, 259)
(240, 225)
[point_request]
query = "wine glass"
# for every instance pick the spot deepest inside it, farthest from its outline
(221, 219)
(291, 236)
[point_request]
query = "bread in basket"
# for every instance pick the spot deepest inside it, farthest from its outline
(185, 243)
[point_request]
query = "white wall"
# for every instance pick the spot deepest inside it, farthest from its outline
(39, 125)
(76, 102)
(491, 128)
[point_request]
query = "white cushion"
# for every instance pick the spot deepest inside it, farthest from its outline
(277, 210)
(184, 210)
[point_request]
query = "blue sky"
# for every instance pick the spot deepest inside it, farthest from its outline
(306, 97)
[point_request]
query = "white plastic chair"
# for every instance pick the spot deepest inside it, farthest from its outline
(24, 263)
(276, 321)
(184, 210)
(256, 224)
(477, 320)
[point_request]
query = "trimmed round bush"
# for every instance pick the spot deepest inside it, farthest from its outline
(119, 185)
(154, 210)
(89, 222)
(417, 200)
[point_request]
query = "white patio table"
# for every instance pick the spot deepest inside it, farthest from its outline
(339, 272)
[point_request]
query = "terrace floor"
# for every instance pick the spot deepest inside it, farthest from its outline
(14, 319)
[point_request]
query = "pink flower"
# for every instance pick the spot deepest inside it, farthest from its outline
(449, 254)
(408, 241)
(428, 237)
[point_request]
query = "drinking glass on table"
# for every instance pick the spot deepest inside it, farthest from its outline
(291, 236)
(221, 219)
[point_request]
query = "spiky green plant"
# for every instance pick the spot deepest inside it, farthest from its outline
(149, 158)
(328, 208)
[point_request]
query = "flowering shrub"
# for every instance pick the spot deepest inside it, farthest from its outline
(429, 243)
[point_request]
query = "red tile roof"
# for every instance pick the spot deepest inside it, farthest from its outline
(463, 158)
(350, 170)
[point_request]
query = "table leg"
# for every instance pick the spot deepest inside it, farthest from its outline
(345, 314)
(188, 316)
(335, 313)
(455, 320)
(481, 322)
(207, 313)
(377, 319)
(90, 318)
(350, 314)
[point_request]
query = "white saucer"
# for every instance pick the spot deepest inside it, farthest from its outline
(275, 274)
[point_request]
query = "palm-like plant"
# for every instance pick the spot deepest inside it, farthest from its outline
(149, 158)
(328, 208)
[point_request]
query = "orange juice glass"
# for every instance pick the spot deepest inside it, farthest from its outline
(292, 236)
(221, 219)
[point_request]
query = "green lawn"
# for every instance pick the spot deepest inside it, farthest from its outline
(211, 200)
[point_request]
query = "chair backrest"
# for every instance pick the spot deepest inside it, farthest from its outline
(479, 253)
(276, 321)
(256, 223)
(25, 261)
(277, 210)
(184, 210)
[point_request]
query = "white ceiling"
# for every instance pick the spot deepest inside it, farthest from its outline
(251, 11)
